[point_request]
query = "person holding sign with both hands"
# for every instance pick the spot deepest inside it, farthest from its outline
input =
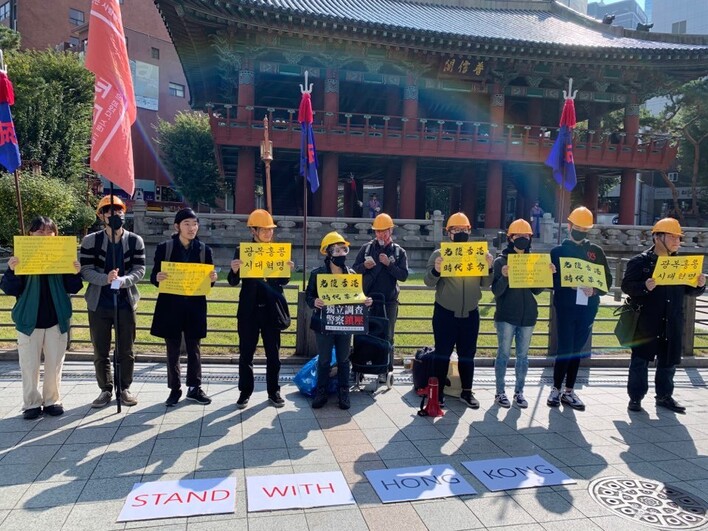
(659, 331)
(181, 314)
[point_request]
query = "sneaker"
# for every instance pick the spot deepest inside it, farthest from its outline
(276, 400)
(669, 403)
(467, 397)
(520, 401)
(553, 398)
(127, 399)
(634, 405)
(320, 399)
(572, 400)
(174, 397)
(344, 398)
(32, 413)
(197, 395)
(54, 410)
(242, 401)
(502, 400)
(103, 399)
(441, 401)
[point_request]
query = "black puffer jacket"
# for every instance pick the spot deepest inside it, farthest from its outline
(516, 306)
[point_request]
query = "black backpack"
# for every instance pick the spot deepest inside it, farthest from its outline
(423, 368)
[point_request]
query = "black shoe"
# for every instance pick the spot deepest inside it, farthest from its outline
(174, 397)
(276, 400)
(54, 410)
(32, 413)
(634, 405)
(344, 398)
(320, 399)
(242, 401)
(669, 403)
(441, 401)
(197, 395)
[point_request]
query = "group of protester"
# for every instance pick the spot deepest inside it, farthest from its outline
(112, 262)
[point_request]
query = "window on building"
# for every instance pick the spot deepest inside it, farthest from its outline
(76, 17)
(678, 27)
(155, 53)
(5, 11)
(177, 90)
(74, 42)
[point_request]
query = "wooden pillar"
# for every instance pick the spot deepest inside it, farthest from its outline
(406, 208)
(244, 197)
(468, 192)
(628, 186)
(246, 92)
(493, 200)
(496, 107)
(390, 191)
(328, 185)
(591, 192)
(331, 98)
(410, 103)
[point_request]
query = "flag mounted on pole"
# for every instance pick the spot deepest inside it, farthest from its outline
(114, 102)
(560, 159)
(9, 149)
(308, 154)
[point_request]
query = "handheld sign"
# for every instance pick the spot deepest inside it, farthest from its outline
(464, 259)
(577, 273)
(678, 270)
(340, 289)
(530, 271)
(186, 278)
(45, 255)
(345, 319)
(265, 260)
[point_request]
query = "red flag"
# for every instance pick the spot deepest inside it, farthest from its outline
(114, 102)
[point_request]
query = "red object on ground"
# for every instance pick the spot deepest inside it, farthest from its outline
(432, 408)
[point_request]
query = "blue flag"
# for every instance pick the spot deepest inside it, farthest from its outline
(308, 153)
(560, 159)
(9, 150)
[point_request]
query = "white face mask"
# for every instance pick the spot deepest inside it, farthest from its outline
(381, 242)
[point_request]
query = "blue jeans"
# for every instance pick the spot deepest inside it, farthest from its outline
(638, 381)
(505, 333)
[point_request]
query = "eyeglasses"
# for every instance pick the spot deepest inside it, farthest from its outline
(340, 251)
(457, 230)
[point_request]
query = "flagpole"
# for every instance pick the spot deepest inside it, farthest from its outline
(304, 232)
(19, 202)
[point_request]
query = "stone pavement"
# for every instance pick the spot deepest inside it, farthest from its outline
(74, 472)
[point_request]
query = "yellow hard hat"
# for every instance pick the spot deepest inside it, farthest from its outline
(261, 219)
(106, 201)
(382, 222)
(581, 217)
(519, 226)
(330, 239)
(668, 226)
(458, 220)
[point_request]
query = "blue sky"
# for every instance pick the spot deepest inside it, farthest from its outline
(640, 2)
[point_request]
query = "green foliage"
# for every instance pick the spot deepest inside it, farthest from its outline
(53, 110)
(9, 39)
(41, 196)
(187, 150)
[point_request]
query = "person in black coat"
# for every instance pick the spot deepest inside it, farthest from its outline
(178, 315)
(255, 317)
(659, 330)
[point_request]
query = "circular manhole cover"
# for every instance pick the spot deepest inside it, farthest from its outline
(650, 503)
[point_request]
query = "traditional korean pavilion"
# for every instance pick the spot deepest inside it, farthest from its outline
(420, 96)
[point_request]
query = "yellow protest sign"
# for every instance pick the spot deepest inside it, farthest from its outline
(265, 260)
(186, 278)
(340, 289)
(678, 270)
(464, 259)
(45, 255)
(530, 270)
(577, 273)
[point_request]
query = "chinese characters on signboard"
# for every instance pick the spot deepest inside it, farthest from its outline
(340, 289)
(577, 273)
(345, 319)
(464, 259)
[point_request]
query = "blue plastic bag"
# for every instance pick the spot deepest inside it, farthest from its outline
(306, 378)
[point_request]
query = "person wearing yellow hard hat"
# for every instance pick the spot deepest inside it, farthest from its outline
(515, 315)
(456, 313)
(383, 265)
(255, 318)
(112, 263)
(575, 308)
(659, 330)
(335, 250)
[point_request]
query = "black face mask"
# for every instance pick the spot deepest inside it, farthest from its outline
(578, 235)
(115, 222)
(339, 261)
(460, 237)
(522, 243)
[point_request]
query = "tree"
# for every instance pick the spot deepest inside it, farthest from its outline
(9, 39)
(188, 153)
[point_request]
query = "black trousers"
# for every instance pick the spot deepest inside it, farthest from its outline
(638, 381)
(450, 332)
(194, 362)
(101, 326)
(574, 329)
(249, 328)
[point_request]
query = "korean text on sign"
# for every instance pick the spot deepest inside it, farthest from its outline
(530, 271)
(340, 289)
(45, 255)
(464, 259)
(265, 260)
(186, 278)
(577, 273)
(673, 270)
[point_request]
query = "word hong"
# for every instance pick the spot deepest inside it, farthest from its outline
(418, 483)
(265, 260)
(187, 497)
(340, 289)
(517, 473)
(576, 273)
(345, 319)
(678, 270)
(297, 491)
(464, 259)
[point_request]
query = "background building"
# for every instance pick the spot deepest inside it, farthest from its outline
(627, 13)
(680, 16)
